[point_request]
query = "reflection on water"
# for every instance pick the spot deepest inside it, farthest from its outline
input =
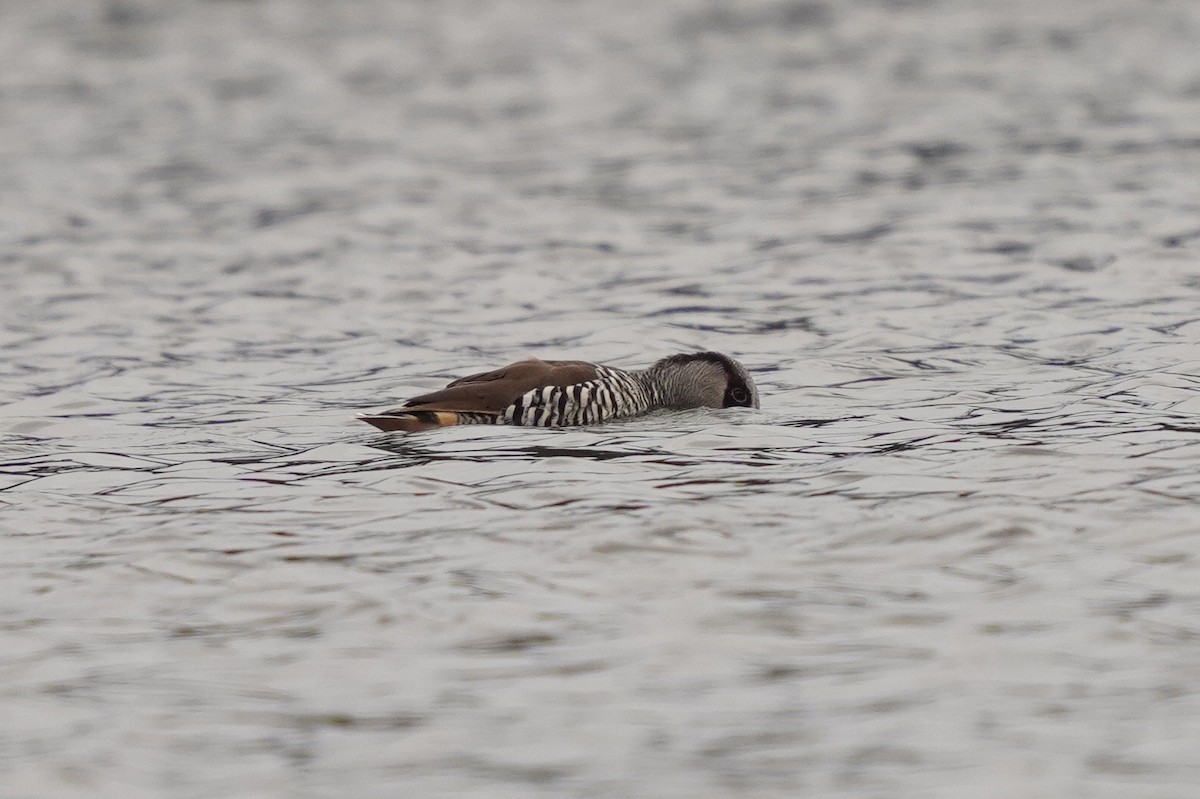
(954, 552)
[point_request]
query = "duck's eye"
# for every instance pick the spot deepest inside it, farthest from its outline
(739, 394)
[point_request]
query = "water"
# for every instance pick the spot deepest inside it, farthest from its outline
(954, 553)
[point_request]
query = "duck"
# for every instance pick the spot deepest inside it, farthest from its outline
(541, 393)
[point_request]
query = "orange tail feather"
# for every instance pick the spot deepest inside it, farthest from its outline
(413, 421)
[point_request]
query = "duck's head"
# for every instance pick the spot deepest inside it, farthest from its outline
(704, 380)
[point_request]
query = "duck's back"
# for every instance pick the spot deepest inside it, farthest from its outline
(493, 392)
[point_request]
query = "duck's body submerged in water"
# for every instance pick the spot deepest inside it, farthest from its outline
(563, 393)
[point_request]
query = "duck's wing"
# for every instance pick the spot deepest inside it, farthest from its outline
(482, 397)
(492, 392)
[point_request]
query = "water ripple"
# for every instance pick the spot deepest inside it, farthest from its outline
(955, 243)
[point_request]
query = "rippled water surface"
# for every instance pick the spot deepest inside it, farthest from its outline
(955, 554)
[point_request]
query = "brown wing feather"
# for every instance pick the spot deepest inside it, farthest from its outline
(492, 392)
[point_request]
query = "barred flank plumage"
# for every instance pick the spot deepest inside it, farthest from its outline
(560, 393)
(613, 394)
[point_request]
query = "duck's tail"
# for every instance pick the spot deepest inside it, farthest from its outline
(412, 421)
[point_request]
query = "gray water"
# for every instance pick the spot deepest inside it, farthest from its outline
(955, 553)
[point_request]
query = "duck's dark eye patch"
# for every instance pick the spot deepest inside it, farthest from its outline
(739, 394)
